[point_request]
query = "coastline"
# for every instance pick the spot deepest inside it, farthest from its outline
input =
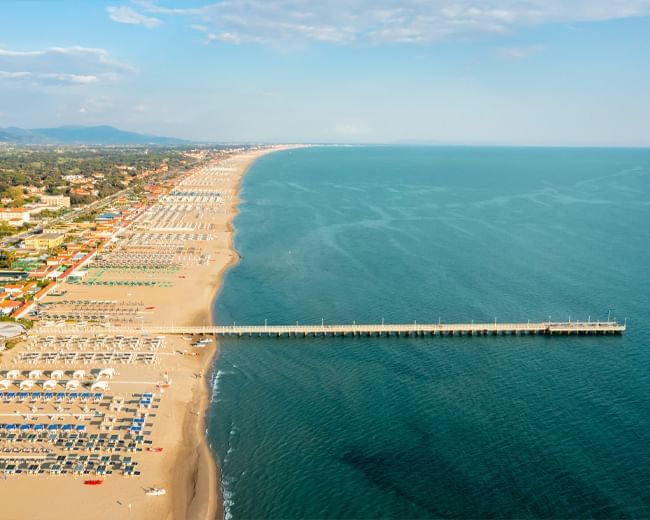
(202, 235)
(206, 500)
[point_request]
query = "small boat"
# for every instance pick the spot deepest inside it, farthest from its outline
(156, 492)
(150, 308)
(93, 482)
(154, 450)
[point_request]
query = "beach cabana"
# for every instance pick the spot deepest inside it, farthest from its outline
(57, 374)
(73, 384)
(35, 374)
(13, 374)
(99, 385)
(27, 384)
(106, 372)
(49, 384)
(79, 374)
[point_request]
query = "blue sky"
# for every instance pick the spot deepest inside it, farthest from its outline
(524, 72)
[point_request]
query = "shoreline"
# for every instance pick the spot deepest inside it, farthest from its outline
(206, 494)
(191, 235)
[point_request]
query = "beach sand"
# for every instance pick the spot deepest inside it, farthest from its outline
(186, 467)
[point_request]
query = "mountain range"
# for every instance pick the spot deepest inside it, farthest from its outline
(98, 135)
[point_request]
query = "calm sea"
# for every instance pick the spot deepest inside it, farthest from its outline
(524, 427)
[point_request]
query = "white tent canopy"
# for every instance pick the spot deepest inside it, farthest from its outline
(5, 383)
(26, 384)
(35, 374)
(49, 384)
(99, 385)
(10, 330)
(108, 372)
(73, 384)
(13, 374)
(79, 374)
(57, 374)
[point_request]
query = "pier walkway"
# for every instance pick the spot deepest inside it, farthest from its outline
(381, 329)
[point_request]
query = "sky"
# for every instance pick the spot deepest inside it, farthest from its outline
(489, 72)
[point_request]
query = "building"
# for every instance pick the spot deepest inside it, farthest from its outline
(58, 201)
(12, 276)
(14, 216)
(44, 240)
(13, 290)
(8, 306)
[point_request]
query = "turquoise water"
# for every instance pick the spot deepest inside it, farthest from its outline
(438, 427)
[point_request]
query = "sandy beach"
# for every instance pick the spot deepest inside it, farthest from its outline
(188, 235)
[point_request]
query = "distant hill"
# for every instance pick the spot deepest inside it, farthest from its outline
(81, 135)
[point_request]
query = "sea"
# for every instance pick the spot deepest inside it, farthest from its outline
(431, 427)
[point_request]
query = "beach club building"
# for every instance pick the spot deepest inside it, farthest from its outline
(14, 216)
(56, 201)
(44, 240)
(9, 306)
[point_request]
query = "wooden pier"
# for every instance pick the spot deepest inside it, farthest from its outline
(578, 328)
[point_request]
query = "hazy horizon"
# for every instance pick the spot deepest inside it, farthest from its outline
(533, 73)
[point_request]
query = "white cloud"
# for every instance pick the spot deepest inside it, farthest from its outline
(518, 53)
(60, 66)
(4, 74)
(79, 79)
(128, 15)
(384, 21)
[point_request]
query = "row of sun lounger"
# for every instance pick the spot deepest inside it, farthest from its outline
(147, 358)
(45, 397)
(69, 464)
